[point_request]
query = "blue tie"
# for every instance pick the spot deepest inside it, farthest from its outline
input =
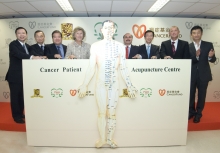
(25, 48)
(59, 51)
(148, 51)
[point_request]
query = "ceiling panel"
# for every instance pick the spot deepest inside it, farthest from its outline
(32, 14)
(204, 15)
(124, 5)
(200, 7)
(12, 15)
(185, 0)
(118, 14)
(143, 14)
(11, 0)
(167, 14)
(210, 1)
(175, 7)
(187, 14)
(4, 8)
(20, 6)
(144, 6)
(76, 14)
(46, 6)
(102, 5)
(214, 10)
(78, 5)
(54, 14)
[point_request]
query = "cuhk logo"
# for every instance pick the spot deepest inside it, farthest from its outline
(162, 92)
(32, 24)
(188, 25)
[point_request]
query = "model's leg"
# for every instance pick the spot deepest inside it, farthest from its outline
(101, 98)
(111, 108)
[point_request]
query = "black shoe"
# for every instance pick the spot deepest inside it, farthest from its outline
(196, 119)
(190, 116)
(23, 116)
(19, 120)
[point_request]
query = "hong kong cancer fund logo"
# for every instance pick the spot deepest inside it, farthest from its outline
(146, 92)
(73, 92)
(139, 31)
(188, 25)
(57, 93)
(97, 31)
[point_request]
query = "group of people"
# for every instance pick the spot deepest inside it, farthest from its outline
(200, 52)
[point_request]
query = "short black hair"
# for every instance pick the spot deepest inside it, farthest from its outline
(148, 31)
(56, 31)
(38, 32)
(196, 28)
(18, 28)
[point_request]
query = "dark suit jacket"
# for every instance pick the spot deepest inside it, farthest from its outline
(133, 51)
(37, 51)
(203, 63)
(16, 54)
(154, 51)
(182, 51)
(52, 50)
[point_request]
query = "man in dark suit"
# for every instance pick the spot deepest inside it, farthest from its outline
(56, 50)
(201, 53)
(174, 48)
(130, 50)
(148, 50)
(18, 50)
(39, 49)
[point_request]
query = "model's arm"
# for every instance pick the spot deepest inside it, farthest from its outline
(89, 73)
(125, 76)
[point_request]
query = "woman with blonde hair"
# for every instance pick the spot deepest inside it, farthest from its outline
(78, 49)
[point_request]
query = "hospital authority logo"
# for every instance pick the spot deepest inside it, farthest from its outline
(36, 94)
(125, 93)
(97, 31)
(73, 92)
(146, 92)
(56, 92)
(13, 25)
(163, 92)
(139, 31)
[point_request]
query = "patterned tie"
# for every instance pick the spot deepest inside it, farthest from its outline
(148, 51)
(59, 51)
(173, 48)
(127, 52)
(24, 46)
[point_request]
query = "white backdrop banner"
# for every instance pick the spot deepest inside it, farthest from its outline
(134, 25)
(56, 116)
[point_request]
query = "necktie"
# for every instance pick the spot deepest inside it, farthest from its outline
(59, 51)
(42, 47)
(25, 49)
(148, 51)
(127, 52)
(173, 48)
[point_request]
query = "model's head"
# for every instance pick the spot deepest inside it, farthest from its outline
(108, 29)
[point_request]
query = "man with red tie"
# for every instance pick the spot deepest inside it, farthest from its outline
(174, 48)
(130, 49)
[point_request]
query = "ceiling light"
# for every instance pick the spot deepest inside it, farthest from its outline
(158, 5)
(65, 5)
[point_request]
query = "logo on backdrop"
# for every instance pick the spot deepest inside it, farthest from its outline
(138, 31)
(46, 25)
(125, 93)
(188, 25)
(216, 94)
(2, 62)
(217, 61)
(2, 78)
(66, 30)
(146, 92)
(36, 94)
(162, 32)
(73, 92)
(13, 24)
(56, 92)
(216, 44)
(6, 94)
(98, 33)
(162, 92)
(32, 24)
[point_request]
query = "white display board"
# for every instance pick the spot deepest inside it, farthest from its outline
(92, 25)
(158, 116)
